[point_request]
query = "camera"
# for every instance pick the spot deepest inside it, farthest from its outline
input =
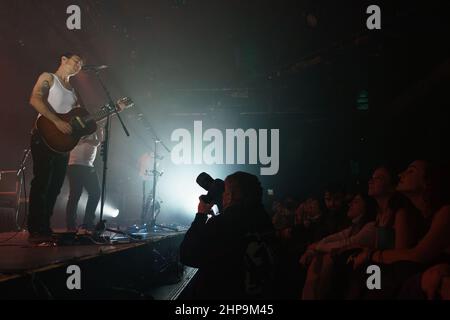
(215, 188)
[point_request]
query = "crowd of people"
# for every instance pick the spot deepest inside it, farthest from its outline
(322, 247)
(400, 223)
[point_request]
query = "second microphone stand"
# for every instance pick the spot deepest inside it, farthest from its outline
(153, 225)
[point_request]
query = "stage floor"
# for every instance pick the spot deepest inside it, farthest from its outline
(20, 259)
(18, 255)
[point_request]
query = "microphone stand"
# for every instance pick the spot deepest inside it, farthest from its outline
(157, 141)
(153, 224)
(101, 226)
(143, 200)
(21, 171)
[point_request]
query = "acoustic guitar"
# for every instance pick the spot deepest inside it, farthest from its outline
(82, 123)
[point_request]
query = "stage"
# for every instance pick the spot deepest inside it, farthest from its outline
(144, 269)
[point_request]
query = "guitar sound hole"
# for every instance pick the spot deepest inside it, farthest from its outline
(76, 128)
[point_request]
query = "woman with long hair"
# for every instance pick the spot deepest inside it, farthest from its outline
(426, 185)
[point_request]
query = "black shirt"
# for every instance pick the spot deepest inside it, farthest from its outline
(218, 247)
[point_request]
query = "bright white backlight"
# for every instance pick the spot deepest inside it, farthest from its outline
(108, 211)
(179, 191)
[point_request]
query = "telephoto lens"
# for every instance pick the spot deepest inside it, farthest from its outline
(205, 181)
(215, 189)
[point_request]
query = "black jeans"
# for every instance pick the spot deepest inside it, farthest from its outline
(49, 169)
(82, 177)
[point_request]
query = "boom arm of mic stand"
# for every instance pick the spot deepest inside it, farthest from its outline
(111, 102)
(153, 132)
(121, 122)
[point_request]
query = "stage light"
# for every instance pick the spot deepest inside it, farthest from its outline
(108, 211)
(179, 191)
(183, 187)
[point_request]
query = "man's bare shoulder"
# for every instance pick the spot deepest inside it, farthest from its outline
(45, 76)
(42, 86)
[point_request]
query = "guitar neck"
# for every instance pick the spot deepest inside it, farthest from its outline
(108, 109)
(100, 115)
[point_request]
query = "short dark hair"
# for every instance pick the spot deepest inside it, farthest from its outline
(247, 186)
(371, 207)
(69, 55)
(391, 171)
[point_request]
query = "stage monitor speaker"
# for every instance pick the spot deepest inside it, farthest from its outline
(8, 200)
(7, 219)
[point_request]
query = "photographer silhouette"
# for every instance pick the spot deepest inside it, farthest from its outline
(231, 250)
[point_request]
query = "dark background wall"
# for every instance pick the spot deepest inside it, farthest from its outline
(299, 66)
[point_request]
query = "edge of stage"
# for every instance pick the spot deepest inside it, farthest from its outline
(144, 269)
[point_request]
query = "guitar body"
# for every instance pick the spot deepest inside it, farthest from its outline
(60, 142)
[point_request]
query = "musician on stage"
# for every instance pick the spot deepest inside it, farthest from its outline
(51, 94)
(81, 173)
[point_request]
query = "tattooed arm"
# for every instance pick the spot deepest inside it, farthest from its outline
(39, 102)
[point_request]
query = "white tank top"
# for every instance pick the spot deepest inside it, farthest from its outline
(84, 153)
(61, 99)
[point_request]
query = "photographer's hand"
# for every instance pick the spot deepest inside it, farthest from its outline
(204, 207)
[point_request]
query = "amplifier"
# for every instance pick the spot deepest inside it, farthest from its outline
(7, 219)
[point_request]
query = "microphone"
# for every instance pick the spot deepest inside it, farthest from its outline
(93, 67)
